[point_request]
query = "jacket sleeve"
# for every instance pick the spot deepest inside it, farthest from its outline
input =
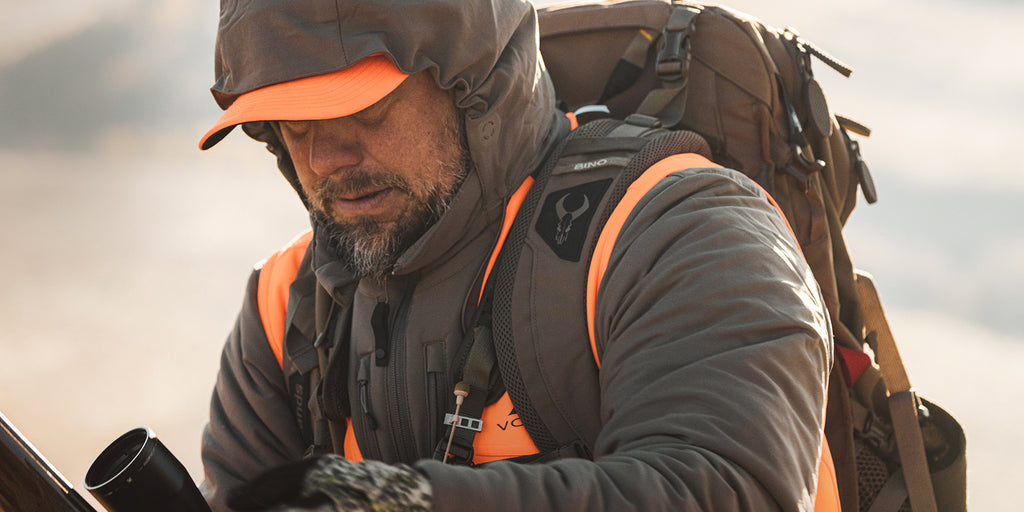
(715, 351)
(251, 426)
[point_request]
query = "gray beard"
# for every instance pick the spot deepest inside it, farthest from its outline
(370, 248)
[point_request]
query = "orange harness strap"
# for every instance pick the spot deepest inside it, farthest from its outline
(827, 498)
(276, 274)
(610, 233)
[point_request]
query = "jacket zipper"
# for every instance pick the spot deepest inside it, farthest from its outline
(435, 382)
(389, 352)
(369, 422)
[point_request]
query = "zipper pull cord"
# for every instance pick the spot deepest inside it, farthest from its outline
(461, 392)
(379, 322)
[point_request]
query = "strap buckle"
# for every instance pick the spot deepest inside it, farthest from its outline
(458, 453)
(674, 54)
(464, 422)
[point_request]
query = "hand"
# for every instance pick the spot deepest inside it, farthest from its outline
(333, 480)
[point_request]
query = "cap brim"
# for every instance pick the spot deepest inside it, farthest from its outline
(337, 94)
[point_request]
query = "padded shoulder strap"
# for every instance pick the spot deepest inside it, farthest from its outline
(610, 233)
(828, 489)
(276, 274)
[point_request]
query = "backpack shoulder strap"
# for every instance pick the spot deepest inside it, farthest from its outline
(556, 229)
(612, 228)
(610, 233)
(828, 489)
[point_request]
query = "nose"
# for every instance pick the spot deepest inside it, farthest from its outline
(333, 146)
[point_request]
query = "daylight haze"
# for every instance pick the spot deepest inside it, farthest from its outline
(125, 250)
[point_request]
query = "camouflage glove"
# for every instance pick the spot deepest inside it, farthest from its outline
(369, 486)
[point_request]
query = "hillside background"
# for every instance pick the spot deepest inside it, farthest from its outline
(125, 250)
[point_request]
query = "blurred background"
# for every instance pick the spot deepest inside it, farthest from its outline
(125, 250)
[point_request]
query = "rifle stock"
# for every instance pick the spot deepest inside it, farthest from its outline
(28, 482)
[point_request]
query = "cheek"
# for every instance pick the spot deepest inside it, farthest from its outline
(412, 152)
(307, 178)
(309, 181)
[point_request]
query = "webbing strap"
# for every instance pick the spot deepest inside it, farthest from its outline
(629, 67)
(482, 359)
(903, 402)
(668, 102)
(892, 495)
(480, 364)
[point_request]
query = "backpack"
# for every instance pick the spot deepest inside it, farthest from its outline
(749, 91)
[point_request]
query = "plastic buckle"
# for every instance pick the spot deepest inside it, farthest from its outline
(877, 434)
(457, 454)
(674, 54)
(643, 121)
(464, 422)
(672, 57)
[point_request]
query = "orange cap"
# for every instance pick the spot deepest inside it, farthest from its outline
(326, 96)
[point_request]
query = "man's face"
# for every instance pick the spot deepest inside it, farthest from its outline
(376, 180)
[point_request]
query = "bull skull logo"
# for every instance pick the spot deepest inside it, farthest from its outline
(565, 218)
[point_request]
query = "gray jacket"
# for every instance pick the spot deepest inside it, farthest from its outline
(715, 344)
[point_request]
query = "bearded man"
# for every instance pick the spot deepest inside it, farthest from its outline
(410, 130)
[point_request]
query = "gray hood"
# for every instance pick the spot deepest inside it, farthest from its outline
(485, 50)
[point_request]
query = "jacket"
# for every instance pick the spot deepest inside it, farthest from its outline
(715, 341)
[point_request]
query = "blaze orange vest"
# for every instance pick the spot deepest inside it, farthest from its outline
(503, 435)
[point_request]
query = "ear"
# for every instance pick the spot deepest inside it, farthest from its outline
(269, 133)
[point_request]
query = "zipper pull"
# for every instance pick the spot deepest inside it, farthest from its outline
(364, 393)
(379, 322)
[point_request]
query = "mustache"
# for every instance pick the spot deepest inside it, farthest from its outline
(358, 182)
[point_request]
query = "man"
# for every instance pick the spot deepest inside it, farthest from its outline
(407, 128)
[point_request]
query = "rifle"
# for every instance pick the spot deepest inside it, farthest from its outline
(27, 480)
(134, 473)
